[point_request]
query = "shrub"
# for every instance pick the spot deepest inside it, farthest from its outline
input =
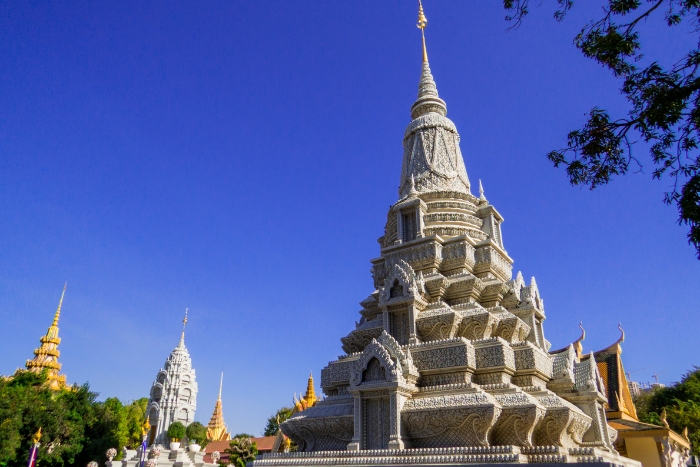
(196, 432)
(176, 431)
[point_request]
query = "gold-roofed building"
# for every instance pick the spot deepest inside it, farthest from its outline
(216, 430)
(309, 399)
(652, 445)
(282, 443)
(46, 356)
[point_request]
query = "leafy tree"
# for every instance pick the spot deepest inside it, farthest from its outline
(241, 451)
(76, 429)
(108, 431)
(664, 104)
(176, 431)
(243, 435)
(26, 404)
(274, 421)
(196, 432)
(135, 414)
(682, 403)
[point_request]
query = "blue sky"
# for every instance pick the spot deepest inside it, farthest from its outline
(238, 158)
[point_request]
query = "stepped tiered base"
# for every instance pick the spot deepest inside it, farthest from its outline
(168, 458)
(492, 456)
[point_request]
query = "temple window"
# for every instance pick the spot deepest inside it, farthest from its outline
(396, 290)
(409, 226)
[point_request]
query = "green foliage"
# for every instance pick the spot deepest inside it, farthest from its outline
(176, 431)
(64, 417)
(196, 432)
(663, 111)
(274, 421)
(241, 451)
(682, 403)
(243, 435)
(135, 414)
(76, 429)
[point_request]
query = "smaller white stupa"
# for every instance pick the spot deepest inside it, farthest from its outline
(173, 394)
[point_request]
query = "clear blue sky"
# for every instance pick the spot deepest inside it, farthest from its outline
(238, 158)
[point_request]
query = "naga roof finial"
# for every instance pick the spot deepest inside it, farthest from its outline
(577, 343)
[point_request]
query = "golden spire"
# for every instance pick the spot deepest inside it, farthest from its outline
(60, 302)
(46, 356)
(221, 384)
(37, 436)
(310, 396)
(216, 430)
(422, 23)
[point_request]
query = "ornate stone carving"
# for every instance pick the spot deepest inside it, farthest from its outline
(357, 340)
(437, 324)
(459, 355)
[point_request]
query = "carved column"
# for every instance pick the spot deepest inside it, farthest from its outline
(356, 442)
(412, 337)
(399, 227)
(395, 403)
(385, 318)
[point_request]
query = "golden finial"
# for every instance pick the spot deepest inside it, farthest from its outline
(310, 395)
(60, 302)
(146, 427)
(422, 23)
(663, 417)
(184, 323)
(221, 384)
(37, 436)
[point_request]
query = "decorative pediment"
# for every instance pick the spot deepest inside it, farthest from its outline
(383, 360)
(401, 281)
(403, 359)
(374, 365)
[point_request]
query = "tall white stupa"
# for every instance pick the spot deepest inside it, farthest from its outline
(449, 364)
(173, 394)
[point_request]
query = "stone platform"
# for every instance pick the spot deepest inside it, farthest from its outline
(492, 456)
(168, 458)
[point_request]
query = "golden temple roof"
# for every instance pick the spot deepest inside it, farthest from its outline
(46, 356)
(309, 399)
(216, 430)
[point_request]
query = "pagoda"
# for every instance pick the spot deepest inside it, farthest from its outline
(173, 394)
(216, 430)
(448, 363)
(46, 356)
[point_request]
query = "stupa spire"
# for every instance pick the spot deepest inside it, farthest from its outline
(432, 159)
(184, 323)
(428, 99)
(46, 356)
(422, 23)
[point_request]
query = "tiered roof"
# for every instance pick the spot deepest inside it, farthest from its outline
(46, 356)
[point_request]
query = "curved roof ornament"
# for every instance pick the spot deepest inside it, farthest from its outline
(577, 343)
(622, 336)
